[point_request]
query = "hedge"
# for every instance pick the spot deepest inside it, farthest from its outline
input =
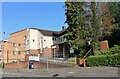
(113, 50)
(103, 60)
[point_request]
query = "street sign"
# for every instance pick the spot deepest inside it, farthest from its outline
(72, 51)
(35, 58)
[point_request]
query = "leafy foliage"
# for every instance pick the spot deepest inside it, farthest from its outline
(114, 38)
(83, 26)
(103, 60)
(75, 20)
(106, 19)
(109, 57)
(113, 50)
(115, 11)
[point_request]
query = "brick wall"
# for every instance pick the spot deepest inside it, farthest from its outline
(36, 52)
(104, 45)
(18, 38)
(25, 65)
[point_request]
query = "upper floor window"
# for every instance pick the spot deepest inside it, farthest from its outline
(14, 52)
(27, 42)
(33, 40)
(54, 38)
(14, 44)
(61, 39)
(19, 45)
(24, 37)
(19, 52)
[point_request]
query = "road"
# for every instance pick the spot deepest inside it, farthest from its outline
(63, 72)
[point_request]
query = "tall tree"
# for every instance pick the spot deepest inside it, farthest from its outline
(106, 19)
(114, 8)
(83, 25)
(76, 24)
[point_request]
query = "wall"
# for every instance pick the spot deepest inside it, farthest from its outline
(25, 65)
(34, 38)
(47, 41)
(40, 42)
(104, 45)
(16, 38)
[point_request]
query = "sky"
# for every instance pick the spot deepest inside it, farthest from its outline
(43, 15)
(0, 20)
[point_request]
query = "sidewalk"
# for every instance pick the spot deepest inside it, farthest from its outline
(63, 72)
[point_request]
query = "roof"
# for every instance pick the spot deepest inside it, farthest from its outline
(47, 32)
(18, 31)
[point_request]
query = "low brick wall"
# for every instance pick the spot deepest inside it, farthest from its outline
(15, 65)
(25, 65)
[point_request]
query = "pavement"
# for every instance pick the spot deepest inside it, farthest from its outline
(63, 72)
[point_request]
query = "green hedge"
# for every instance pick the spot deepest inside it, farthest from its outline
(113, 50)
(103, 60)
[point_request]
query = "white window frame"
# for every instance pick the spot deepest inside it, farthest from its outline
(14, 44)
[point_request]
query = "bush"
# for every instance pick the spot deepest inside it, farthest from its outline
(113, 50)
(103, 60)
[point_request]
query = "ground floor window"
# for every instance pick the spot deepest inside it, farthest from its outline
(54, 53)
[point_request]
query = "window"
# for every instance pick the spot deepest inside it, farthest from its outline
(14, 60)
(27, 42)
(33, 40)
(54, 38)
(19, 52)
(14, 52)
(14, 44)
(24, 37)
(19, 45)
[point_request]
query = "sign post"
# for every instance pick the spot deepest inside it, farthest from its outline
(46, 58)
(17, 58)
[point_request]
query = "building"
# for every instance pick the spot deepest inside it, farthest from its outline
(60, 48)
(1, 47)
(34, 42)
(14, 47)
(37, 40)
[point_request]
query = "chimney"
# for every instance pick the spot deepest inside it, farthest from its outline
(63, 27)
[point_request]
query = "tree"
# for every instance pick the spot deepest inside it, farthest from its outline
(75, 31)
(106, 19)
(83, 26)
(114, 38)
(115, 11)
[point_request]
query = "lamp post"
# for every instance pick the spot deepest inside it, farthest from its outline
(17, 58)
(3, 49)
(46, 58)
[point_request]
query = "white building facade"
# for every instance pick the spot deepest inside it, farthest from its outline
(37, 40)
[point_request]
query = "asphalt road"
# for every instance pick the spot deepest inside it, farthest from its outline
(63, 72)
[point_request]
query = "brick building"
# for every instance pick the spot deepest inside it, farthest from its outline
(14, 47)
(30, 42)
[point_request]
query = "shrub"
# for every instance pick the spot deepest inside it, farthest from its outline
(103, 60)
(113, 50)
